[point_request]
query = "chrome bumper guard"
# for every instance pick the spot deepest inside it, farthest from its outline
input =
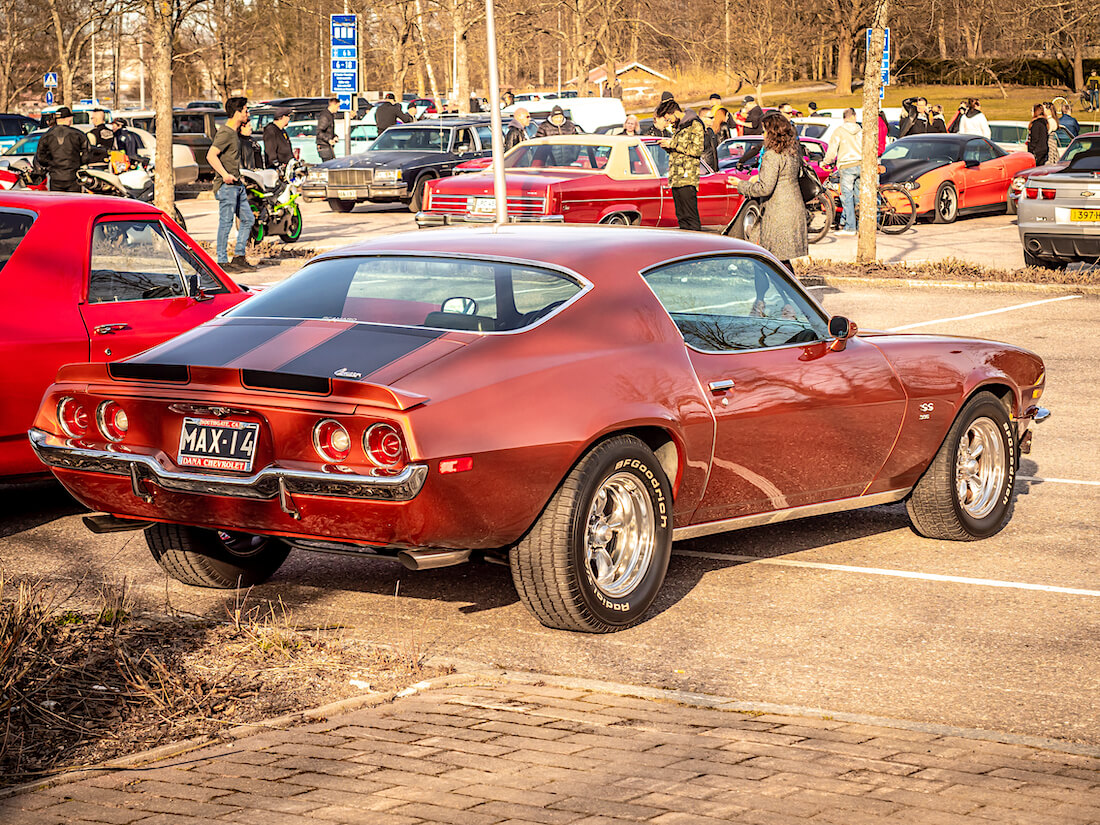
(268, 484)
(424, 219)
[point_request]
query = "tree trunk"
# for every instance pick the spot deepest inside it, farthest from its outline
(427, 56)
(844, 62)
(158, 15)
(1078, 65)
(941, 38)
(868, 186)
(461, 56)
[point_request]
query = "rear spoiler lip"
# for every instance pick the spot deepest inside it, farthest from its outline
(232, 380)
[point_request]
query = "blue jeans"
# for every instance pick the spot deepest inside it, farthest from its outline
(1094, 98)
(849, 181)
(233, 202)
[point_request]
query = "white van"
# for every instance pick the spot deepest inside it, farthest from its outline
(589, 113)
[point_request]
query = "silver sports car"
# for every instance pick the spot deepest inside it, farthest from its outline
(1059, 213)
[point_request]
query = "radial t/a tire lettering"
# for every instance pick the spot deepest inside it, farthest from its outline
(595, 559)
(966, 492)
(212, 558)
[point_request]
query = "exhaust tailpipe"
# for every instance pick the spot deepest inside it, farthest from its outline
(431, 559)
(1033, 245)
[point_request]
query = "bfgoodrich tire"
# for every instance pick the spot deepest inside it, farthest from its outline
(596, 558)
(966, 492)
(211, 558)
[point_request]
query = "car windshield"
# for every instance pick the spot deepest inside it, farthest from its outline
(810, 130)
(918, 149)
(737, 147)
(1078, 147)
(419, 139)
(436, 293)
(26, 146)
(559, 156)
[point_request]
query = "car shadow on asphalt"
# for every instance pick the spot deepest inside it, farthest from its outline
(26, 505)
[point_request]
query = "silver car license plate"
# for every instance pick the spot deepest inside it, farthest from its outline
(213, 444)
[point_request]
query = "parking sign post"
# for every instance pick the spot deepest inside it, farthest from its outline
(344, 66)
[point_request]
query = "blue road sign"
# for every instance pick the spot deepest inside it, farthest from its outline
(345, 102)
(345, 65)
(885, 75)
(885, 43)
(49, 97)
(345, 53)
(50, 80)
(345, 30)
(344, 83)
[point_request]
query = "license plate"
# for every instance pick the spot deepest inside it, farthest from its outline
(1087, 215)
(485, 205)
(346, 194)
(213, 444)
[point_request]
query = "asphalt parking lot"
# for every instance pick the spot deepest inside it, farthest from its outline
(989, 240)
(849, 613)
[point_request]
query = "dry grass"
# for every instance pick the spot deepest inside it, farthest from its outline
(949, 269)
(79, 687)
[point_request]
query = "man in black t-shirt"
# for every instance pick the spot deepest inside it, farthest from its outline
(224, 156)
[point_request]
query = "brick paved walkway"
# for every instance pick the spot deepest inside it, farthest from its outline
(521, 751)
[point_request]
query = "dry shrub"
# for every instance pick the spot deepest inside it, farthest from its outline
(949, 269)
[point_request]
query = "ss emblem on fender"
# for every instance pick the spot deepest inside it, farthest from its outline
(925, 409)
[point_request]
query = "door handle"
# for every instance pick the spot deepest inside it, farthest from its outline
(721, 386)
(108, 329)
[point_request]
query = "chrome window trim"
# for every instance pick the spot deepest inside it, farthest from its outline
(745, 254)
(153, 219)
(586, 287)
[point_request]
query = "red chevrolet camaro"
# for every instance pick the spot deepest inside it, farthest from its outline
(89, 278)
(568, 400)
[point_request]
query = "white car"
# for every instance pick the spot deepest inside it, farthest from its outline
(303, 137)
(589, 113)
(1059, 212)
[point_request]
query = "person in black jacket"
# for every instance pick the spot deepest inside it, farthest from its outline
(557, 124)
(1038, 135)
(62, 151)
(276, 142)
(517, 128)
(710, 139)
(251, 154)
(754, 116)
(389, 113)
(326, 129)
(917, 120)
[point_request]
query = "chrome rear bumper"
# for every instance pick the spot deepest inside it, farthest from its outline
(269, 483)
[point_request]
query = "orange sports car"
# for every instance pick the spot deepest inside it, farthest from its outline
(951, 175)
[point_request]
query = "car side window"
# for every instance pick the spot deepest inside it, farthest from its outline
(638, 166)
(13, 229)
(731, 303)
(978, 150)
(191, 265)
(463, 142)
(132, 261)
(485, 135)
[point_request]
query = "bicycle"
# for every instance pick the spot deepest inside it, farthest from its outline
(897, 211)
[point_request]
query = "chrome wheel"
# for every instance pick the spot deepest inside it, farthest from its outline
(621, 535)
(980, 468)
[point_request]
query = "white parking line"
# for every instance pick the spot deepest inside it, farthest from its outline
(982, 314)
(876, 571)
(1058, 480)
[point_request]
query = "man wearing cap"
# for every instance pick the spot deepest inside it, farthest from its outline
(276, 142)
(62, 151)
(326, 129)
(557, 124)
(389, 113)
(753, 116)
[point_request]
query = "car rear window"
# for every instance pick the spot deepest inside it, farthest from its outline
(13, 229)
(438, 293)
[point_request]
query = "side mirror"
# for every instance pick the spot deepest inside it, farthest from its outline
(194, 290)
(841, 329)
(972, 164)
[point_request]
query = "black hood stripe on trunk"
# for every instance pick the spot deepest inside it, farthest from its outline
(218, 345)
(361, 349)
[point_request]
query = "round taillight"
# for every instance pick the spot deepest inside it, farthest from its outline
(112, 420)
(384, 446)
(331, 440)
(73, 417)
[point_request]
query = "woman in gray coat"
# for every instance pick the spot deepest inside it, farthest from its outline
(783, 225)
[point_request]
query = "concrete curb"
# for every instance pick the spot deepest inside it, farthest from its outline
(811, 280)
(474, 672)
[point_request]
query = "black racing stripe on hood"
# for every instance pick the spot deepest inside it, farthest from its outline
(362, 349)
(215, 345)
(901, 170)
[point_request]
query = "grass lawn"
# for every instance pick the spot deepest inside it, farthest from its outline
(1016, 107)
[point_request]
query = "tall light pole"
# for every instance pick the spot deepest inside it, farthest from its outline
(500, 190)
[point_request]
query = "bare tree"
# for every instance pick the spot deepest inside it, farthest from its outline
(74, 22)
(20, 63)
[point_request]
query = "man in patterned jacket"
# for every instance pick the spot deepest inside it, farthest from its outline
(685, 147)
